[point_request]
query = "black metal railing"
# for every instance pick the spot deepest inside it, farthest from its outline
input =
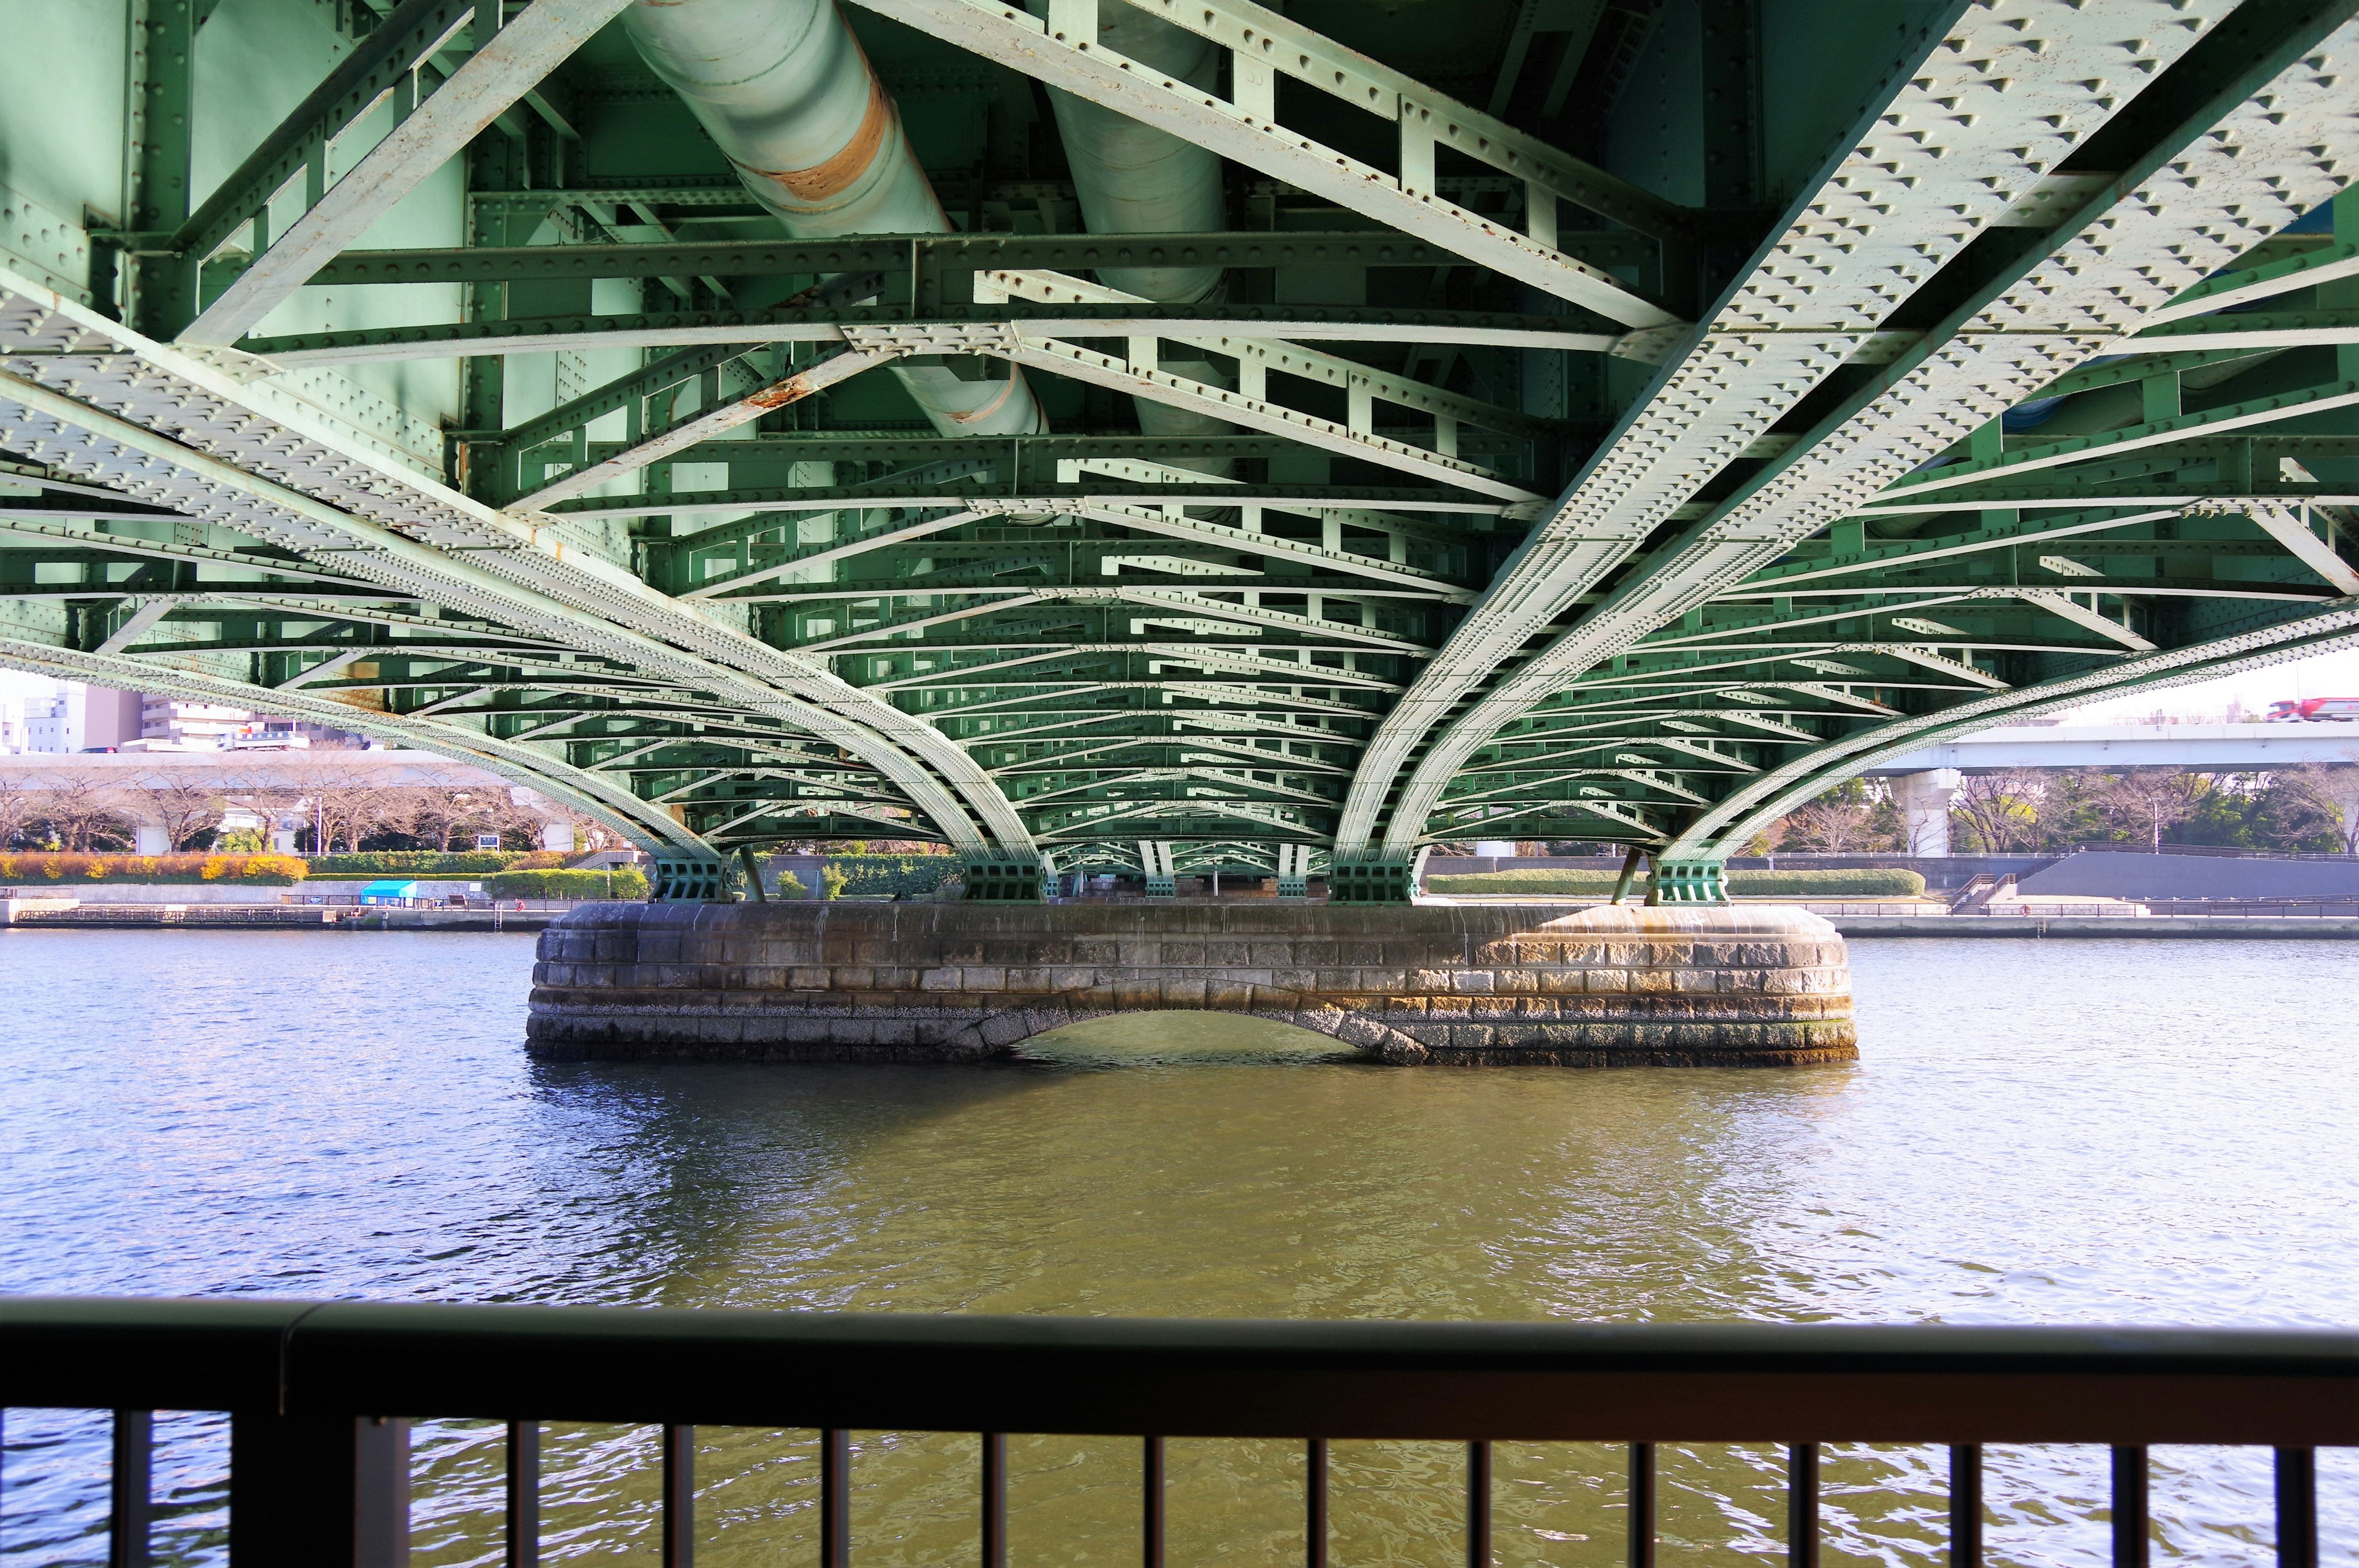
(318, 1396)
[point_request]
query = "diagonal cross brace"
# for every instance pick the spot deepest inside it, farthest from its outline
(509, 65)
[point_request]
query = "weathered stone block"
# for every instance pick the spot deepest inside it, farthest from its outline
(820, 981)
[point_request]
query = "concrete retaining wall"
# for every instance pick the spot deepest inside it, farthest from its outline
(1749, 986)
(2119, 875)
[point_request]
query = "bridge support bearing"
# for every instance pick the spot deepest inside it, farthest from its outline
(1377, 882)
(693, 879)
(1009, 878)
(1758, 986)
(1155, 859)
(1691, 881)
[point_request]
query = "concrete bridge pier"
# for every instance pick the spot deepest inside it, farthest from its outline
(1924, 801)
(1688, 986)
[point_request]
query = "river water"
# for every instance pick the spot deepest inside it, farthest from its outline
(2120, 1131)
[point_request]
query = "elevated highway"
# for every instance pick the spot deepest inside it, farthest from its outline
(1250, 449)
(2191, 748)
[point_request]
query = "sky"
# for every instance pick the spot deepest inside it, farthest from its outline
(2324, 675)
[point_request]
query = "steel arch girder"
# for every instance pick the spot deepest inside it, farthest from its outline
(646, 824)
(546, 579)
(2122, 256)
(1782, 789)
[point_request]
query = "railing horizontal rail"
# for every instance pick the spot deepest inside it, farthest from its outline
(1537, 1381)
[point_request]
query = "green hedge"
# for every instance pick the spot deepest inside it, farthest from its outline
(1579, 882)
(915, 875)
(427, 862)
(627, 883)
(1870, 883)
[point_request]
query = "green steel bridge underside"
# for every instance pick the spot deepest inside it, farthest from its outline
(1600, 419)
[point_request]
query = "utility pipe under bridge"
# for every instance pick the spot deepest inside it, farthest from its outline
(1324, 472)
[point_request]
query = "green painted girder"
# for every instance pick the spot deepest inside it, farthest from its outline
(2036, 456)
(771, 829)
(990, 739)
(825, 324)
(1018, 633)
(356, 84)
(1193, 818)
(2143, 367)
(888, 565)
(2297, 326)
(734, 793)
(1812, 619)
(504, 656)
(1453, 521)
(1108, 593)
(766, 455)
(937, 257)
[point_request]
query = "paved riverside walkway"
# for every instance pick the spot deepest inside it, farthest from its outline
(65, 914)
(2162, 928)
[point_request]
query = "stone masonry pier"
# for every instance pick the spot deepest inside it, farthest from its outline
(1763, 986)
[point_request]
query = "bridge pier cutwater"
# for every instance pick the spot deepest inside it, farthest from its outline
(1735, 986)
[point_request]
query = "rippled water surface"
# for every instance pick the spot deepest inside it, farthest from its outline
(2037, 1132)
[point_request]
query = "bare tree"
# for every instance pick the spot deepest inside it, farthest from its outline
(346, 807)
(2002, 810)
(438, 811)
(81, 808)
(2148, 800)
(498, 811)
(2323, 799)
(270, 794)
(182, 804)
(1832, 826)
(16, 810)
(444, 813)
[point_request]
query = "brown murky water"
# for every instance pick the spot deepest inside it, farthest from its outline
(2052, 1132)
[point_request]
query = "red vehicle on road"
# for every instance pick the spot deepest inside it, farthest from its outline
(2316, 710)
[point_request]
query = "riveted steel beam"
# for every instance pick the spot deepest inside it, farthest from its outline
(1065, 53)
(507, 64)
(2089, 284)
(448, 548)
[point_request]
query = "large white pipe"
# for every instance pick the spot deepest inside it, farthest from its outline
(788, 96)
(1131, 178)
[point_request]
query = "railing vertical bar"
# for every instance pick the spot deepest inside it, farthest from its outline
(1150, 1487)
(1478, 1505)
(1965, 1505)
(834, 1498)
(1314, 1505)
(1642, 1505)
(995, 1499)
(2297, 1507)
(1802, 1506)
(524, 1494)
(678, 1496)
(132, 1489)
(2130, 1507)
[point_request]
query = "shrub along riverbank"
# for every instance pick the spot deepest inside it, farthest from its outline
(435, 862)
(627, 883)
(912, 876)
(1580, 882)
(35, 869)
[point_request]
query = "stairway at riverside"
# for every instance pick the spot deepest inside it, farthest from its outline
(1614, 985)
